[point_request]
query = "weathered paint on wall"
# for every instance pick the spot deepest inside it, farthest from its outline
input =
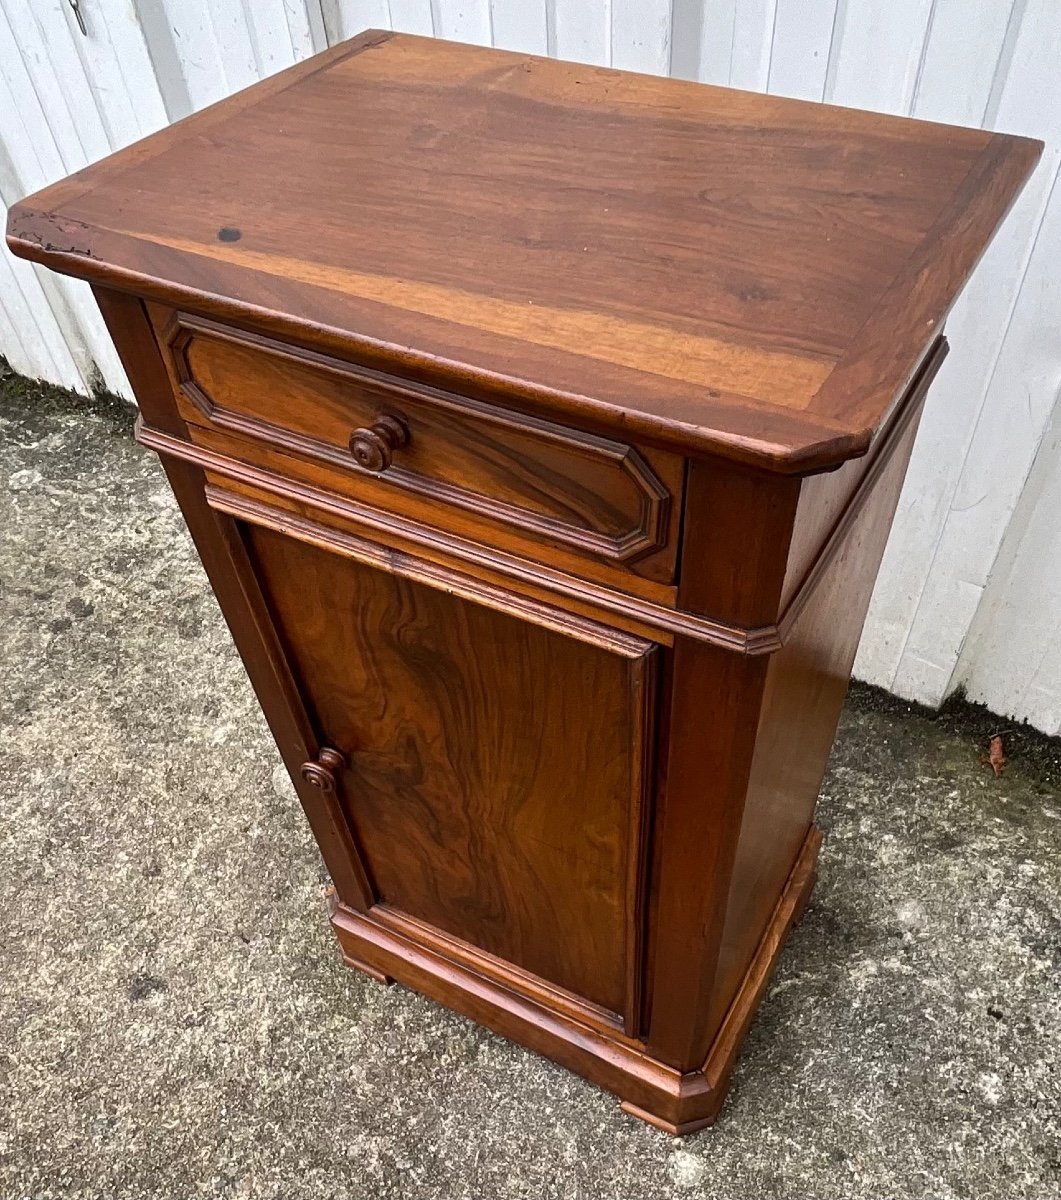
(970, 589)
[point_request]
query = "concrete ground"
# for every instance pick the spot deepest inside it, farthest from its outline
(174, 1018)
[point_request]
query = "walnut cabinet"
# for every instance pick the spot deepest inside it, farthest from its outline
(540, 428)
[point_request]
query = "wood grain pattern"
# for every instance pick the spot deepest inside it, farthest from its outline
(674, 1101)
(487, 799)
(336, 489)
(705, 1090)
(804, 689)
(911, 312)
(596, 495)
(708, 269)
(225, 561)
(581, 610)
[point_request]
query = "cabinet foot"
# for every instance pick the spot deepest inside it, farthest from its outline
(675, 1129)
(331, 902)
(359, 964)
(804, 900)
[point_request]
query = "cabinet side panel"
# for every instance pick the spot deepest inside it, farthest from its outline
(806, 684)
(225, 566)
(492, 764)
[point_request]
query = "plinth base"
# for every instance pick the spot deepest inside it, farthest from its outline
(389, 946)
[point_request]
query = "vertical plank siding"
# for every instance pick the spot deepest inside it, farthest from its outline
(970, 590)
(1001, 665)
(801, 48)
(521, 25)
(991, 406)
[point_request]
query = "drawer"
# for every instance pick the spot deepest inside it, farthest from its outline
(477, 469)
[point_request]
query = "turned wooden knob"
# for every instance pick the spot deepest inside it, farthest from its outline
(320, 772)
(373, 447)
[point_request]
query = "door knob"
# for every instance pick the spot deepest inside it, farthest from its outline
(374, 447)
(320, 772)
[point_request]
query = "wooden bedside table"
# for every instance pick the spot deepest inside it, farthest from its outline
(540, 428)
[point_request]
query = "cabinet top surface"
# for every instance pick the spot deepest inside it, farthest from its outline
(717, 270)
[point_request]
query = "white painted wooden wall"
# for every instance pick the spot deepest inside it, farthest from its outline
(970, 589)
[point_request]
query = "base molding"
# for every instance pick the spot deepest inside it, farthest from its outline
(671, 1101)
(675, 1129)
(357, 964)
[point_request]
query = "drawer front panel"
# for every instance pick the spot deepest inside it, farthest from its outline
(526, 477)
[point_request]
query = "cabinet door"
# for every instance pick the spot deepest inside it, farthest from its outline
(495, 765)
